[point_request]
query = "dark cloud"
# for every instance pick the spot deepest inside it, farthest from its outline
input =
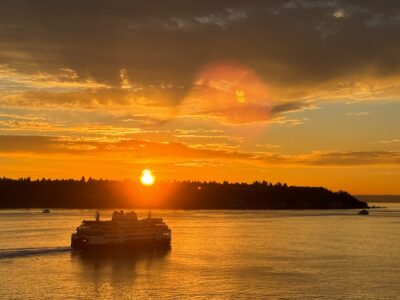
(287, 42)
(358, 158)
(10, 143)
(335, 158)
(257, 113)
(289, 107)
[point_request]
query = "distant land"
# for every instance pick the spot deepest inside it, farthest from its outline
(68, 193)
(379, 198)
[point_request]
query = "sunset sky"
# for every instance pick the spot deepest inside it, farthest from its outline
(296, 91)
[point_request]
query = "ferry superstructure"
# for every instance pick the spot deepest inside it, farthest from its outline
(123, 230)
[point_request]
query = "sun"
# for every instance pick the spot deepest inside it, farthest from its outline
(147, 178)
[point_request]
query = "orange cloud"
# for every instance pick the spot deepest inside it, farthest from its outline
(142, 149)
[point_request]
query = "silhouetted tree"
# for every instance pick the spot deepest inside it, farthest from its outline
(99, 193)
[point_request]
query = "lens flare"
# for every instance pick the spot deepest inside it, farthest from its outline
(240, 96)
(147, 178)
(231, 92)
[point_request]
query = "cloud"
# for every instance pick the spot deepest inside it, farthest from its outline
(30, 125)
(9, 143)
(137, 150)
(392, 141)
(131, 149)
(125, 84)
(358, 114)
(174, 40)
(222, 20)
(291, 106)
(268, 146)
(310, 4)
(340, 13)
(143, 102)
(355, 158)
(205, 61)
(382, 21)
(62, 79)
(333, 158)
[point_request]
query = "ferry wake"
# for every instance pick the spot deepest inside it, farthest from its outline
(124, 230)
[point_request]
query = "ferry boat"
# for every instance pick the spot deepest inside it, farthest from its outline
(124, 230)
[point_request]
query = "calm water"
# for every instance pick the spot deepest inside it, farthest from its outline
(215, 254)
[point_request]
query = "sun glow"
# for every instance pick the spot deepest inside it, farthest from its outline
(147, 178)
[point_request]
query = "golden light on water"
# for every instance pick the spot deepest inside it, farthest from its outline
(147, 178)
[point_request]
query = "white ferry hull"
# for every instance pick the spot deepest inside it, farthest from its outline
(80, 243)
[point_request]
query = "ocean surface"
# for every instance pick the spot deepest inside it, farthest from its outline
(331, 254)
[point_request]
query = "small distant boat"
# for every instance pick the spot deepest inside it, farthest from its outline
(46, 211)
(363, 212)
